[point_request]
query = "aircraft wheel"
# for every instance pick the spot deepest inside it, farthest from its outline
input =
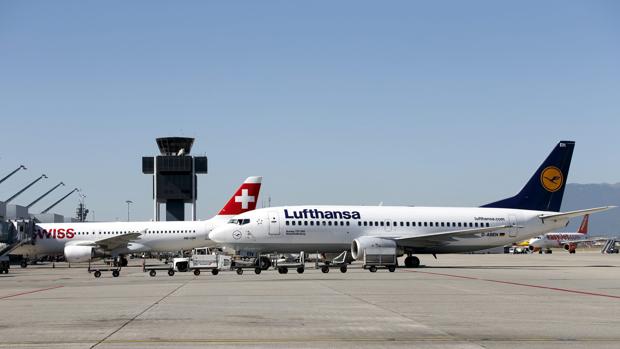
(196, 272)
(152, 273)
(264, 263)
(116, 273)
(257, 270)
(325, 269)
(239, 271)
(97, 274)
(215, 271)
(171, 272)
(343, 269)
(392, 268)
(412, 262)
(23, 264)
(300, 270)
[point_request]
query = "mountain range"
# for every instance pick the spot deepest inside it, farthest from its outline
(580, 196)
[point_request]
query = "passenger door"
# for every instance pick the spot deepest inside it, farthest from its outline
(274, 223)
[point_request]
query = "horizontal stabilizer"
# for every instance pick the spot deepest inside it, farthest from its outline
(573, 214)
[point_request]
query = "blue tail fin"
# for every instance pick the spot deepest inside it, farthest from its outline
(544, 191)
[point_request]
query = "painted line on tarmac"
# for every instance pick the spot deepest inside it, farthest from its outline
(319, 340)
(104, 339)
(520, 284)
(29, 292)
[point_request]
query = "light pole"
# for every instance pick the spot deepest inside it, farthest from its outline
(129, 202)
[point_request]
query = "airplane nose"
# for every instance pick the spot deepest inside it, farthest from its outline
(219, 234)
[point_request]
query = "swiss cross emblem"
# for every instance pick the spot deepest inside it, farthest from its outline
(244, 199)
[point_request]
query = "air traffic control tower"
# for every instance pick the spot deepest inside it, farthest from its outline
(174, 176)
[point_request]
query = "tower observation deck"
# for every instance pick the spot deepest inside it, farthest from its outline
(174, 177)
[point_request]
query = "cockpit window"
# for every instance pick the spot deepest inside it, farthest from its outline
(239, 221)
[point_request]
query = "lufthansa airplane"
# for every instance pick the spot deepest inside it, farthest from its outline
(409, 230)
(81, 242)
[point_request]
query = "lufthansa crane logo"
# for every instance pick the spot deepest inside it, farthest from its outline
(551, 179)
(236, 235)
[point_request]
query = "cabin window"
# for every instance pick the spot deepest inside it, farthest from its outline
(426, 224)
(487, 224)
(381, 223)
(470, 225)
(305, 222)
(329, 223)
(288, 223)
(348, 223)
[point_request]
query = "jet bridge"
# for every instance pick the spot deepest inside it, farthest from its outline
(12, 236)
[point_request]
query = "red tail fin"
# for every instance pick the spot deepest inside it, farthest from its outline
(583, 228)
(244, 199)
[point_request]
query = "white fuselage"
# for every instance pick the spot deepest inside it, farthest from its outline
(551, 240)
(302, 228)
(51, 238)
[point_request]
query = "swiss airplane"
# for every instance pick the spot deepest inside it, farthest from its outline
(81, 242)
(568, 241)
(409, 230)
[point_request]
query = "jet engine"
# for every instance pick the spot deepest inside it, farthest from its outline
(77, 254)
(383, 246)
(570, 247)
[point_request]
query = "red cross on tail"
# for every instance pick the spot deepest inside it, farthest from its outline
(245, 198)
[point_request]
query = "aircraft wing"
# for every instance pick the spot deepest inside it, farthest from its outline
(572, 214)
(114, 242)
(434, 239)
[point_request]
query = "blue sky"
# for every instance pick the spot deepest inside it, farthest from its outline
(349, 102)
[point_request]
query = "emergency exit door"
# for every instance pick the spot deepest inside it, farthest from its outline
(512, 231)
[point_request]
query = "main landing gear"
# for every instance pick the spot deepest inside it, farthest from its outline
(412, 262)
(121, 261)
